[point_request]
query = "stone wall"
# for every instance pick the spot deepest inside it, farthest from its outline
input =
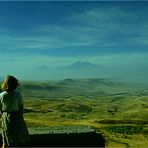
(65, 136)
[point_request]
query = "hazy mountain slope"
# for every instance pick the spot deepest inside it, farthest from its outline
(75, 70)
(80, 87)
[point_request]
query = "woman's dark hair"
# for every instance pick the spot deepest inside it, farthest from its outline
(10, 83)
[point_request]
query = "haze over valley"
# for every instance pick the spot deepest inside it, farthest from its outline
(83, 69)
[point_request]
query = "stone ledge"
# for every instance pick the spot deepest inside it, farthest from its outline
(61, 129)
(65, 136)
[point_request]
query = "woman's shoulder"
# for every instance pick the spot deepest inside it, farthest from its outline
(3, 93)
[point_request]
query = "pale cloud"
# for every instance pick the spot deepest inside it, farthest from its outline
(98, 16)
(60, 37)
(141, 40)
(127, 60)
(112, 24)
(98, 27)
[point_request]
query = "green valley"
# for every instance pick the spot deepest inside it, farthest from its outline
(119, 110)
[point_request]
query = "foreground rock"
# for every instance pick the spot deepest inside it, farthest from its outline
(65, 136)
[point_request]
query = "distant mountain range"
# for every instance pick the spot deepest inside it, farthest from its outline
(80, 64)
(83, 70)
(75, 65)
(77, 69)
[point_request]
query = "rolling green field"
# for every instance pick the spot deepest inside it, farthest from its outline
(118, 110)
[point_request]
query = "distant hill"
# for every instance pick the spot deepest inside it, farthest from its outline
(68, 88)
(84, 69)
(80, 64)
(75, 70)
(97, 99)
(44, 67)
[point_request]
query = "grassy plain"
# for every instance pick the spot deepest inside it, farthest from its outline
(118, 110)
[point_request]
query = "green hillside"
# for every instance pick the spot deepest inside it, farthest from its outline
(118, 110)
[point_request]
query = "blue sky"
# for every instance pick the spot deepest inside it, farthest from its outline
(57, 33)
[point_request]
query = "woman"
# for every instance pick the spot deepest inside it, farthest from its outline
(14, 129)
